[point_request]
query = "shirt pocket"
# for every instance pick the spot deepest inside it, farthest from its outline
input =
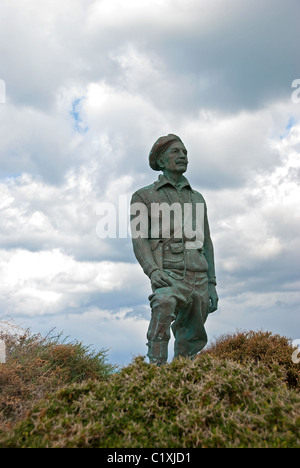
(173, 253)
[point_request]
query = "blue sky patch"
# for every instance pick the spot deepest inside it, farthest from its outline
(291, 123)
(75, 114)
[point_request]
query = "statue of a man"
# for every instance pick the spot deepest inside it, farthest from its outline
(174, 248)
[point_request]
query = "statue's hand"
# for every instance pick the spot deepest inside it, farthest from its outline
(160, 279)
(213, 298)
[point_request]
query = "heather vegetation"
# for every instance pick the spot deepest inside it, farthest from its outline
(37, 366)
(243, 391)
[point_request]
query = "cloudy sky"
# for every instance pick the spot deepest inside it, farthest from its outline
(90, 85)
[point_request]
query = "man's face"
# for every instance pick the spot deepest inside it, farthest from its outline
(174, 159)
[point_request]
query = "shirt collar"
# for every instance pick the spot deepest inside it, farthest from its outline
(162, 180)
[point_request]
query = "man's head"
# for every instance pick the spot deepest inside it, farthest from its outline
(168, 154)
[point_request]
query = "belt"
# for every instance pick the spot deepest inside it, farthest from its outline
(196, 245)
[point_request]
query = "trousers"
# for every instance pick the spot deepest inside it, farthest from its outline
(182, 307)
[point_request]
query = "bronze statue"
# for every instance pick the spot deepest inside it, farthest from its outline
(174, 248)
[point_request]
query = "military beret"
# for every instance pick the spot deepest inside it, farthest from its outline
(161, 145)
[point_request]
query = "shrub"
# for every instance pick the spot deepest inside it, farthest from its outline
(37, 365)
(207, 402)
(261, 347)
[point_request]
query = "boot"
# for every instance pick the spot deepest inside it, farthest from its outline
(158, 352)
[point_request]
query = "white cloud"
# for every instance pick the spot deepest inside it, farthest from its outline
(36, 283)
(90, 86)
(34, 141)
(165, 17)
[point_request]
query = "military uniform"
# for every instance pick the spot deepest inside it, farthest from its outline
(189, 263)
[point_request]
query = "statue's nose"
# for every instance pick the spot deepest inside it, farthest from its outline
(183, 156)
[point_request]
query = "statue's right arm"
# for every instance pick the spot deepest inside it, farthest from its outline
(144, 256)
(141, 244)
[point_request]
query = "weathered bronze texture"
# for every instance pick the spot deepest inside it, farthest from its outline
(175, 250)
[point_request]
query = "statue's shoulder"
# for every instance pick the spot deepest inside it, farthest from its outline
(145, 192)
(198, 197)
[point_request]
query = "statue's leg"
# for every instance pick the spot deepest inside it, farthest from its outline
(163, 306)
(188, 328)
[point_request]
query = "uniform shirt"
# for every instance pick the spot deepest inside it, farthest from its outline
(183, 236)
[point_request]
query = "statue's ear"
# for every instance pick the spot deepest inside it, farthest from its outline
(160, 162)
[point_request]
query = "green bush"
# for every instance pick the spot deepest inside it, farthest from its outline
(207, 402)
(261, 347)
(37, 365)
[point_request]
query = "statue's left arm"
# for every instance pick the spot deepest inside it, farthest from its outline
(209, 254)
